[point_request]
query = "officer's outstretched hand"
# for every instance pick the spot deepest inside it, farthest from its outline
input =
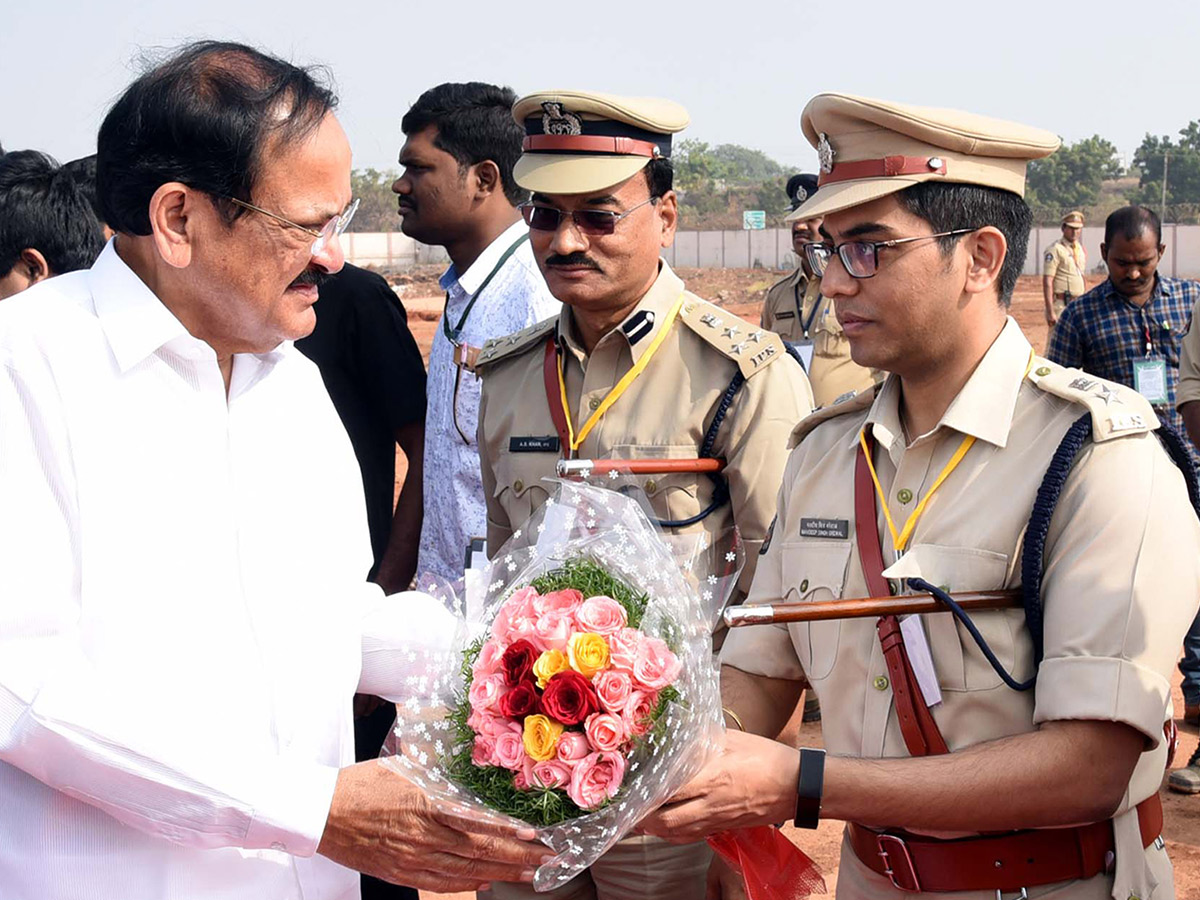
(751, 781)
(382, 824)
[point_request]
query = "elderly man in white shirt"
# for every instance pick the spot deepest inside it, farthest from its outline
(182, 617)
(457, 190)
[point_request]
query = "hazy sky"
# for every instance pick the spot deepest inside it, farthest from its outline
(743, 69)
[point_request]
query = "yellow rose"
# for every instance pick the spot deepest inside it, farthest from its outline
(541, 737)
(548, 665)
(588, 653)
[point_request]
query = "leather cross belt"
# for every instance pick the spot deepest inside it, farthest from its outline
(1002, 862)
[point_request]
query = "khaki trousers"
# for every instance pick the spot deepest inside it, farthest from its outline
(637, 868)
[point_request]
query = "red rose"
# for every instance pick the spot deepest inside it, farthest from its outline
(520, 701)
(517, 662)
(569, 698)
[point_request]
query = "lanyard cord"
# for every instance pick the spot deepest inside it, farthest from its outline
(621, 386)
(900, 541)
(453, 334)
(812, 315)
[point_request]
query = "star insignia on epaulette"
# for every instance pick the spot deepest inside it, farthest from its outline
(1108, 395)
(756, 336)
(738, 348)
(711, 321)
(731, 331)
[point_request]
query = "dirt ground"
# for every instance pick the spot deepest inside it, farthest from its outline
(741, 292)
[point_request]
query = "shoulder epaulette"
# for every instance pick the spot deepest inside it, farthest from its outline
(517, 342)
(852, 401)
(751, 347)
(1117, 410)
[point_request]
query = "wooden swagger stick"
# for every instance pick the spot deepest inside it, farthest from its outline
(586, 468)
(865, 607)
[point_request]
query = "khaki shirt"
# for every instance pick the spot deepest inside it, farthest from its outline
(1122, 568)
(665, 413)
(1188, 388)
(1061, 265)
(789, 304)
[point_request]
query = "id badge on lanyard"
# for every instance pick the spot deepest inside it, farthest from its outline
(1150, 374)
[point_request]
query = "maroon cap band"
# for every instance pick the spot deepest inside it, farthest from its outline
(887, 167)
(590, 143)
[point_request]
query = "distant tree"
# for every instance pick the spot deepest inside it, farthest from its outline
(377, 211)
(747, 166)
(1071, 178)
(1183, 170)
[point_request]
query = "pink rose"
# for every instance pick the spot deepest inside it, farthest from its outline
(605, 732)
(596, 779)
(486, 692)
(622, 648)
(523, 779)
(613, 688)
(554, 629)
(510, 750)
(572, 747)
(551, 774)
(601, 615)
(562, 602)
(488, 661)
(516, 617)
(654, 665)
(483, 752)
(638, 710)
(486, 724)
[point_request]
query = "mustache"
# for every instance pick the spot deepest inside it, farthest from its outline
(315, 277)
(578, 258)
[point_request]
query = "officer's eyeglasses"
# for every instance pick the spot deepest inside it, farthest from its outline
(861, 258)
(588, 221)
(330, 231)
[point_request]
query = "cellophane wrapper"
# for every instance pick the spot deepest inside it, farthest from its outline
(688, 580)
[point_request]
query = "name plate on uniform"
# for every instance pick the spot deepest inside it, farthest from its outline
(825, 528)
(532, 444)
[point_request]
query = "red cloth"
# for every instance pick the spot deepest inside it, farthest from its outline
(772, 867)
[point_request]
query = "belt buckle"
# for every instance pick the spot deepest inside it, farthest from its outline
(884, 841)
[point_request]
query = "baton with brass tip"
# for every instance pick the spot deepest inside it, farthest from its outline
(866, 607)
(585, 468)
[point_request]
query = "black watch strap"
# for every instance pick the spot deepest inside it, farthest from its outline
(809, 788)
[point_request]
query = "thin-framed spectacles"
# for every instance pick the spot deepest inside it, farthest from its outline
(331, 230)
(861, 258)
(588, 221)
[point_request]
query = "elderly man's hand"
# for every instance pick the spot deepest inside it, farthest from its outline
(382, 824)
(752, 781)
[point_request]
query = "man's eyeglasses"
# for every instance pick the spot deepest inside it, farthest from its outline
(861, 258)
(330, 231)
(588, 221)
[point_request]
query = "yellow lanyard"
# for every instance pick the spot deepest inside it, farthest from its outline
(621, 386)
(900, 541)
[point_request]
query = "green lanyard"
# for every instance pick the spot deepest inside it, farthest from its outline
(452, 335)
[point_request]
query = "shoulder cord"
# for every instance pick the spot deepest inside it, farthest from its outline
(1033, 552)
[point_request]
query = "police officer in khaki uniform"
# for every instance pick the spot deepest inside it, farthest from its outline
(795, 308)
(1063, 267)
(1049, 791)
(635, 367)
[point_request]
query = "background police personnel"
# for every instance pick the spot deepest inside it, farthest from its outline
(1063, 267)
(795, 308)
(926, 229)
(637, 366)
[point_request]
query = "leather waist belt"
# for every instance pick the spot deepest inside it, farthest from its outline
(1004, 862)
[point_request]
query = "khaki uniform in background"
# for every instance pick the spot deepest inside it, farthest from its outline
(789, 305)
(1188, 388)
(1122, 574)
(1060, 264)
(665, 413)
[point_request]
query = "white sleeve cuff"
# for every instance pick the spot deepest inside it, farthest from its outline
(292, 816)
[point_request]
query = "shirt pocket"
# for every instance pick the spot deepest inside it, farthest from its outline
(813, 572)
(672, 497)
(828, 337)
(519, 487)
(960, 664)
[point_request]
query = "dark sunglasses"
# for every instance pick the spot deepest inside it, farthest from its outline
(861, 258)
(588, 221)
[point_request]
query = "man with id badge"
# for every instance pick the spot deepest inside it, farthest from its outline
(796, 310)
(457, 191)
(977, 470)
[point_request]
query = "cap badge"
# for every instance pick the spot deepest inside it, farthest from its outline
(801, 194)
(825, 153)
(556, 120)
